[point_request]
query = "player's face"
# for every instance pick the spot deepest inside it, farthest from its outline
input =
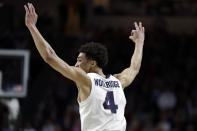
(83, 62)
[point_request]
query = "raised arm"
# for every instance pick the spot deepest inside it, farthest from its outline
(127, 76)
(48, 54)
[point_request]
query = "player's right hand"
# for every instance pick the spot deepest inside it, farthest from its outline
(31, 16)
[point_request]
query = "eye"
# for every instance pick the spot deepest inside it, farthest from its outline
(79, 60)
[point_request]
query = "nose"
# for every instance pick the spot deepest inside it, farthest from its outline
(76, 65)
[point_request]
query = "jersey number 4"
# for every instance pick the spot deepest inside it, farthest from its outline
(109, 102)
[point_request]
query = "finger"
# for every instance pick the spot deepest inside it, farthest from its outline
(33, 9)
(136, 26)
(28, 4)
(30, 8)
(26, 9)
(132, 32)
(140, 26)
(131, 37)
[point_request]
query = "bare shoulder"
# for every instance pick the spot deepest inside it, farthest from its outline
(81, 77)
(124, 82)
(116, 76)
(83, 83)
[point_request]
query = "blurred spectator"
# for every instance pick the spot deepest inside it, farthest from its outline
(48, 125)
(28, 127)
(192, 106)
(101, 6)
(167, 100)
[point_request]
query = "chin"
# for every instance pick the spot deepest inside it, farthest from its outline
(84, 70)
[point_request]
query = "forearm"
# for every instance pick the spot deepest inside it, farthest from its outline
(137, 57)
(42, 45)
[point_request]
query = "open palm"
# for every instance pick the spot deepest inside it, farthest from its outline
(31, 16)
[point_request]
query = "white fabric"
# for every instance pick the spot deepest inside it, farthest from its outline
(92, 113)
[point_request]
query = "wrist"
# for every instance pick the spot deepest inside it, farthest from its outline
(31, 27)
(139, 43)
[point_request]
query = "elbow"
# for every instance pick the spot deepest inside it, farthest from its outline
(48, 58)
(136, 69)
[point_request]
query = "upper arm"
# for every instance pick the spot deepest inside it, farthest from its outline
(126, 77)
(73, 73)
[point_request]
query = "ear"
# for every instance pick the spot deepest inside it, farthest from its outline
(93, 63)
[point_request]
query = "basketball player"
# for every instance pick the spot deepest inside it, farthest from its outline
(101, 97)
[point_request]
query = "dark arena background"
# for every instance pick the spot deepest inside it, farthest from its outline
(163, 96)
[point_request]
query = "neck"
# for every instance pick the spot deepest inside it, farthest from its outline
(99, 71)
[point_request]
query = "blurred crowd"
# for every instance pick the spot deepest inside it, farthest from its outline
(161, 98)
(147, 7)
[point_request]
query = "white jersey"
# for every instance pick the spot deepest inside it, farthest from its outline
(104, 109)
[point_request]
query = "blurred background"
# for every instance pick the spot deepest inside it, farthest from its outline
(163, 97)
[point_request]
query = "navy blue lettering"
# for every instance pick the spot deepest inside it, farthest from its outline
(96, 82)
(108, 84)
(109, 102)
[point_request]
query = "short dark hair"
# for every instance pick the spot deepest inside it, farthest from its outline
(95, 51)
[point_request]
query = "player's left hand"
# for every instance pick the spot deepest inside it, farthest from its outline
(137, 35)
